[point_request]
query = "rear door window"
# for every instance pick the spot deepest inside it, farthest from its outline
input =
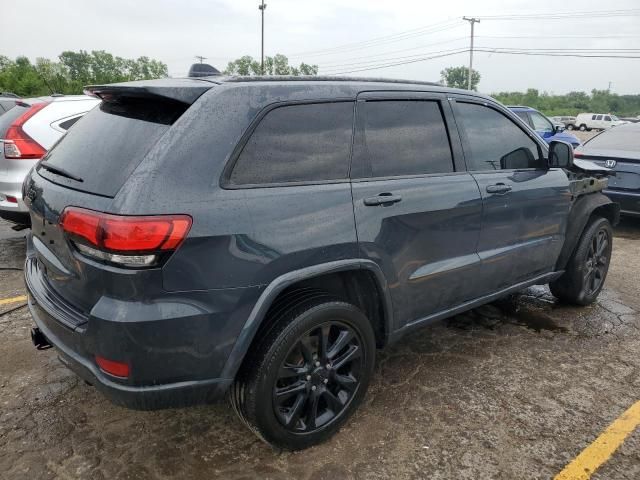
(494, 141)
(400, 137)
(107, 144)
(297, 143)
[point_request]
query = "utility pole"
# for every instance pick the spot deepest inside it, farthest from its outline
(472, 21)
(262, 7)
(200, 57)
(609, 88)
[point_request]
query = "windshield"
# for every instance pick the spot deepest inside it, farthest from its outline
(618, 138)
(614, 118)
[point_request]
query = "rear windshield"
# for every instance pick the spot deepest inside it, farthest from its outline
(617, 138)
(106, 145)
(6, 119)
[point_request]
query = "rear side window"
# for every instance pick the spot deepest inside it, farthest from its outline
(66, 125)
(495, 142)
(297, 143)
(8, 118)
(397, 137)
(107, 144)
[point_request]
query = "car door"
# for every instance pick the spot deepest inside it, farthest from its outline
(525, 204)
(417, 210)
(598, 122)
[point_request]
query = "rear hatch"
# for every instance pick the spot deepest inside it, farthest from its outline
(87, 169)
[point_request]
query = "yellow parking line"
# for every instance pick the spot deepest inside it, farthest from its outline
(603, 447)
(6, 301)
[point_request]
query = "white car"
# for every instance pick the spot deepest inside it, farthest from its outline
(27, 131)
(598, 121)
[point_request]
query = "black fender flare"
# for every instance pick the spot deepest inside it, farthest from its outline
(261, 307)
(579, 215)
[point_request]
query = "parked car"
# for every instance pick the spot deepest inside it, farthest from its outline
(619, 149)
(568, 121)
(7, 101)
(597, 121)
(544, 127)
(262, 236)
(27, 131)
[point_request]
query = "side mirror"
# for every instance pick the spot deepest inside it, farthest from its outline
(559, 128)
(560, 154)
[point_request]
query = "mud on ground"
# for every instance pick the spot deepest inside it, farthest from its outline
(511, 390)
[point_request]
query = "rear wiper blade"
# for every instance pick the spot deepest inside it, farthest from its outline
(59, 171)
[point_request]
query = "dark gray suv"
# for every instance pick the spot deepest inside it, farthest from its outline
(261, 237)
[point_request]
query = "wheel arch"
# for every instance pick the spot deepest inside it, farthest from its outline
(353, 271)
(584, 208)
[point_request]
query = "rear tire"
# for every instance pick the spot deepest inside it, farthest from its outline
(587, 268)
(583, 127)
(307, 375)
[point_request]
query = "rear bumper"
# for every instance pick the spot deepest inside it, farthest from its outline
(629, 201)
(175, 361)
(151, 397)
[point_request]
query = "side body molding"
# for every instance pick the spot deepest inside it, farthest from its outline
(261, 307)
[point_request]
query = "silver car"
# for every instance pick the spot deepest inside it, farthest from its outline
(27, 131)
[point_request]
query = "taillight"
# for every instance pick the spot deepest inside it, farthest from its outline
(17, 143)
(133, 241)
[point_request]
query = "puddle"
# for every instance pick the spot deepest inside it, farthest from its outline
(535, 320)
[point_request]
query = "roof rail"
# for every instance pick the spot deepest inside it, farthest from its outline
(319, 78)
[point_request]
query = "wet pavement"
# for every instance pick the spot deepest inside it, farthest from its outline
(512, 390)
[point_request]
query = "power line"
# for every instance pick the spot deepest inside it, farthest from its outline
(488, 50)
(435, 28)
(596, 14)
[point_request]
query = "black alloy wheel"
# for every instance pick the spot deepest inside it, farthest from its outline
(318, 377)
(597, 262)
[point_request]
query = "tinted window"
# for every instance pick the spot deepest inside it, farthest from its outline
(401, 138)
(494, 141)
(540, 122)
(66, 125)
(7, 118)
(622, 137)
(593, 117)
(607, 118)
(298, 143)
(598, 117)
(109, 142)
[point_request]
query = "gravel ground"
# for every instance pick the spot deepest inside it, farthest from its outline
(511, 390)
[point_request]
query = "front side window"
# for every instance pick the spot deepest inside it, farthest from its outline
(297, 143)
(494, 142)
(400, 137)
(607, 118)
(540, 122)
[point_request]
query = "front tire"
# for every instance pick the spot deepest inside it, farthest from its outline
(570, 126)
(587, 268)
(308, 374)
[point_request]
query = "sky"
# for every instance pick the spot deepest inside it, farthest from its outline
(342, 36)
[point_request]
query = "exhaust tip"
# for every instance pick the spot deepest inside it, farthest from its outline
(39, 340)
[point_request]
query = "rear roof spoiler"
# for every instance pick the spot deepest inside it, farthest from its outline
(183, 90)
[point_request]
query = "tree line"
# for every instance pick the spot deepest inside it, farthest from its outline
(73, 71)
(599, 101)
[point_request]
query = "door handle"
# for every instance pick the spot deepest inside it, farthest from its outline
(498, 188)
(382, 199)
